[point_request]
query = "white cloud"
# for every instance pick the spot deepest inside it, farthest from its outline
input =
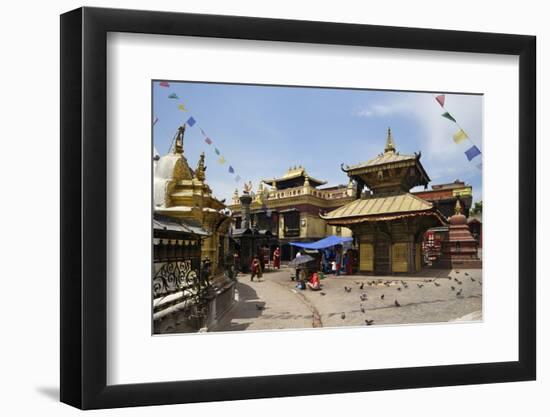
(380, 110)
(444, 160)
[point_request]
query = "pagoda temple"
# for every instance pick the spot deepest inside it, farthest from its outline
(287, 209)
(459, 247)
(387, 221)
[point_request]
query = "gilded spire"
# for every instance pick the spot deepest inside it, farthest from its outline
(178, 146)
(201, 168)
(458, 207)
(390, 145)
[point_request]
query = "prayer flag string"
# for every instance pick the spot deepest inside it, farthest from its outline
(191, 121)
(461, 135)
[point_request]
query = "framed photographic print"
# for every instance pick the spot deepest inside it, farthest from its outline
(258, 208)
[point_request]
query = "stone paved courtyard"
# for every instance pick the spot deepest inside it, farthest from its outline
(429, 297)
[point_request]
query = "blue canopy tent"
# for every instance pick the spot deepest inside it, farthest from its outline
(327, 242)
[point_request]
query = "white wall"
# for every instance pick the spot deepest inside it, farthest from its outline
(30, 205)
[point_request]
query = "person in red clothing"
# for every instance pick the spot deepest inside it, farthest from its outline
(277, 258)
(349, 262)
(255, 268)
(314, 283)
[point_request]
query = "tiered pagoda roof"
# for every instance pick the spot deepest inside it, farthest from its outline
(295, 177)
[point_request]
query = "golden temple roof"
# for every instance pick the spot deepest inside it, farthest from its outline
(385, 158)
(376, 206)
(293, 173)
(389, 156)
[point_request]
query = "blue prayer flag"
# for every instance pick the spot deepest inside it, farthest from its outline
(231, 170)
(191, 121)
(237, 178)
(472, 152)
(217, 151)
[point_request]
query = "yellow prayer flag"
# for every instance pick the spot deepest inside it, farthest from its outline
(460, 136)
(182, 107)
(221, 160)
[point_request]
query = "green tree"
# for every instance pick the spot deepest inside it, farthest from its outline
(477, 208)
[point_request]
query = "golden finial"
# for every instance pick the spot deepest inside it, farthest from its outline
(178, 146)
(390, 145)
(458, 207)
(201, 168)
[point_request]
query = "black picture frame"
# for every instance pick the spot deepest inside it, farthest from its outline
(84, 207)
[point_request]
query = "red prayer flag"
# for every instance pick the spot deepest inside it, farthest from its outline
(441, 100)
(208, 140)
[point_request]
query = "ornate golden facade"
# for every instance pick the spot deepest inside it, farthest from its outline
(289, 208)
(388, 222)
(182, 193)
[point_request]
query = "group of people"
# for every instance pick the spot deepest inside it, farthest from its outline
(256, 267)
(334, 262)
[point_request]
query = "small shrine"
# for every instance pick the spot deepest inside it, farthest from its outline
(387, 221)
(459, 247)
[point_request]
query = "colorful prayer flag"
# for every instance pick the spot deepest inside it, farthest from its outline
(217, 151)
(237, 178)
(208, 140)
(202, 131)
(472, 152)
(173, 95)
(441, 100)
(191, 121)
(221, 160)
(446, 115)
(164, 84)
(182, 107)
(460, 136)
(231, 170)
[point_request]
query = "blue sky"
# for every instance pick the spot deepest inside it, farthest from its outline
(263, 130)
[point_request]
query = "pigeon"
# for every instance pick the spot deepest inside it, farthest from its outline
(456, 279)
(480, 282)
(362, 308)
(452, 288)
(322, 293)
(419, 285)
(397, 303)
(449, 278)
(459, 282)
(459, 293)
(405, 286)
(437, 285)
(398, 288)
(362, 286)
(343, 316)
(382, 297)
(472, 279)
(363, 297)
(465, 273)
(259, 307)
(369, 322)
(347, 289)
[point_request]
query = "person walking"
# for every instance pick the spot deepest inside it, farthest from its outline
(277, 258)
(256, 268)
